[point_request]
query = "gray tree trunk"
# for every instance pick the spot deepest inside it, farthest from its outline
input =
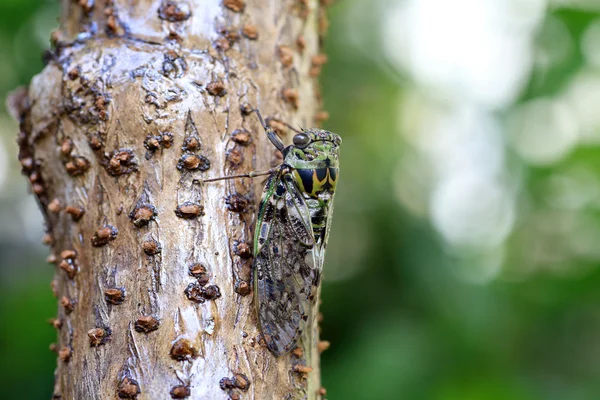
(140, 101)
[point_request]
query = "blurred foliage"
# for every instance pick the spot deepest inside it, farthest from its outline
(402, 319)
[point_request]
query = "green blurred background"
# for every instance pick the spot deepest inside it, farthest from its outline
(464, 258)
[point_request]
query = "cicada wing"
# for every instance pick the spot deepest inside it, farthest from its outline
(285, 271)
(266, 212)
(298, 213)
(325, 239)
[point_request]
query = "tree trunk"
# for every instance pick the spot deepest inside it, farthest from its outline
(140, 101)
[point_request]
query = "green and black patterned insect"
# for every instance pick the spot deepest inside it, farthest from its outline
(291, 234)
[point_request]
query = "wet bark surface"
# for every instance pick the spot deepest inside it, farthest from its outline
(139, 102)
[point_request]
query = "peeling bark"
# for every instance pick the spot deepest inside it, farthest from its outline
(140, 101)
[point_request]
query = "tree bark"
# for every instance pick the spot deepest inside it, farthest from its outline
(139, 102)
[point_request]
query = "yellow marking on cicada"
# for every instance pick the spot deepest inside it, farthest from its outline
(315, 180)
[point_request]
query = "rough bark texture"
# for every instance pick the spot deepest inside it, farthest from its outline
(140, 101)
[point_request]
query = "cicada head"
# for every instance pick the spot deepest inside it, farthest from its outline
(313, 156)
(313, 148)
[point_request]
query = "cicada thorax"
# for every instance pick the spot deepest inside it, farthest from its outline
(314, 181)
(314, 169)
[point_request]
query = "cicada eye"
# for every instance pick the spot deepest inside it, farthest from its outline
(301, 140)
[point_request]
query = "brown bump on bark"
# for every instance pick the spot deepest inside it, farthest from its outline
(53, 347)
(113, 26)
(235, 157)
(301, 43)
(250, 31)
(47, 239)
(216, 88)
(236, 203)
(241, 381)
(75, 212)
(319, 59)
(226, 383)
(222, 44)
(34, 177)
(303, 10)
(314, 71)
(151, 247)
(27, 163)
(192, 162)
(51, 259)
(146, 324)
(95, 141)
(323, 22)
(298, 352)
(291, 96)
(54, 287)
(189, 210)
(180, 392)
(77, 166)
(323, 345)
(193, 292)
(278, 126)
(246, 109)
(197, 270)
(167, 139)
(99, 336)
(302, 369)
(68, 254)
(183, 350)
(128, 388)
(230, 35)
(86, 5)
(211, 292)
(191, 143)
(242, 249)
(56, 323)
(317, 63)
(321, 116)
(67, 304)
(121, 162)
(235, 5)
(65, 354)
(114, 295)
(322, 391)
(320, 317)
(173, 12)
(152, 143)
(66, 147)
(142, 215)
(286, 56)
(73, 73)
(241, 137)
(69, 267)
(38, 189)
(242, 288)
(104, 235)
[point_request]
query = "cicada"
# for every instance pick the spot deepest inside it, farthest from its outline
(291, 234)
